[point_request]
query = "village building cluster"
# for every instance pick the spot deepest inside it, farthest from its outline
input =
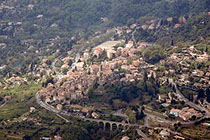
(184, 67)
(121, 64)
(186, 113)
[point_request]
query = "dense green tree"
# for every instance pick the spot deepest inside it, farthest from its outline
(65, 18)
(153, 54)
(73, 132)
(208, 94)
(201, 93)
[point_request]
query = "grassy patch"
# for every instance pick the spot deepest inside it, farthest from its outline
(197, 132)
(21, 100)
(154, 123)
(19, 91)
(13, 125)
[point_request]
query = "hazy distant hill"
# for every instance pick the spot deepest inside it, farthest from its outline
(29, 25)
(83, 14)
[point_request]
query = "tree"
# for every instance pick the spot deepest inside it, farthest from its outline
(131, 116)
(142, 108)
(208, 94)
(26, 137)
(73, 132)
(182, 102)
(140, 115)
(48, 80)
(64, 70)
(153, 54)
(200, 93)
(1, 99)
(151, 89)
(190, 97)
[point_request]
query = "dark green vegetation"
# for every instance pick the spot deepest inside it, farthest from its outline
(154, 54)
(91, 131)
(82, 14)
(21, 99)
(197, 131)
(195, 28)
(17, 122)
(121, 95)
(49, 25)
(47, 19)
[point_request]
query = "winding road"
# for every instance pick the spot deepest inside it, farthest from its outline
(191, 104)
(3, 104)
(53, 109)
(58, 112)
(119, 113)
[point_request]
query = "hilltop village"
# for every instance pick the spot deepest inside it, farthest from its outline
(169, 86)
(105, 63)
(115, 62)
(104, 70)
(119, 62)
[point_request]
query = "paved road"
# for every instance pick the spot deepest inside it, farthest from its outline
(159, 119)
(63, 118)
(51, 108)
(119, 113)
(3, 104)
(146, 124)
(181, 97)
(44, 105)
(142, 134)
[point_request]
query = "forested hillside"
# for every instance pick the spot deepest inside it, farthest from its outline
(31, 28)
(194, 27)
(131, 69)
(71, 15)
